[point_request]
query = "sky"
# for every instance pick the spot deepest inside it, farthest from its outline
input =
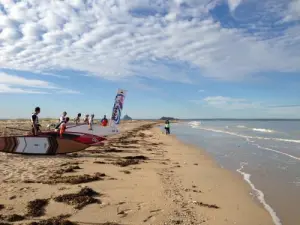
(179, 58)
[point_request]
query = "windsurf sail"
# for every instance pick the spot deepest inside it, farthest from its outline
(117, 109)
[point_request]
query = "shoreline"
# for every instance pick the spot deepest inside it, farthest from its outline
(147, 178)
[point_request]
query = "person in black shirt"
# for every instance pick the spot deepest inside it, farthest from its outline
(35, 121)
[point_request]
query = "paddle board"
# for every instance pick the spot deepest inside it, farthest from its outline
(39, 145)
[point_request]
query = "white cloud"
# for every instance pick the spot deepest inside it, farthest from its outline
(20, 81)
(11, 90)
(227, 103)
(293, 12)
(232, 105)
(117, 39)
(68, 91)
(233, 4)
(16, 84)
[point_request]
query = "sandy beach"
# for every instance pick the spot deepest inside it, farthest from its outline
(140, 176)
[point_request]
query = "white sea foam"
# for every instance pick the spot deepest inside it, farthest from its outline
(248, 138)
(259, 194)
(240, 126)
(251, 137)
(263, 130)
(194, 124)
(273, 150)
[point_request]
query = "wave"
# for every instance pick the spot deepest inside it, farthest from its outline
(259, 194)
(250, 137)
(263, 130)
(279, 152)
(194, 124)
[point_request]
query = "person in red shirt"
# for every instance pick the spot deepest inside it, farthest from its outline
(104, 121)
(63, 126)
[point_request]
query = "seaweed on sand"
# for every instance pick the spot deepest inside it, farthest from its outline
(69, 169)
(99, 162)
(138, 157)
(59, 220)
(207, 205)
(79, 200)
(130, 160)
(127, 162)
(113, 150)
(14, 218)
(76, 179)
(36, 208)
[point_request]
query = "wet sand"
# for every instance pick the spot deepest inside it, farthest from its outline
(139, 177)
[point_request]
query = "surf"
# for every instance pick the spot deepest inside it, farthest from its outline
(259, 195)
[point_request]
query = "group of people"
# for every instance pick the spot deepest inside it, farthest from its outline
(61, 126)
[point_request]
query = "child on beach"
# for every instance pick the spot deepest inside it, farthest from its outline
(167, 127)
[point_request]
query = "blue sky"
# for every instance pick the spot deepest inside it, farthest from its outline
(181, 58)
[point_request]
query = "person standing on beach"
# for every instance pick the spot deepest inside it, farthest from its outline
(35, 121)
(91, 121)
(167, 127)
(104, 121)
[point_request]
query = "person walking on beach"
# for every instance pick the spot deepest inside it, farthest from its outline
(35, 121)
(91, 121)
(167, 127)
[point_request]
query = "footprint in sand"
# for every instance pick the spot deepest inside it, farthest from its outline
(123, 213)
(152, 216)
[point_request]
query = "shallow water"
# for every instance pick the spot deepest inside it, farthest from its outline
(266, 153)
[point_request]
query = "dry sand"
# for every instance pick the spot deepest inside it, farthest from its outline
(139, 177)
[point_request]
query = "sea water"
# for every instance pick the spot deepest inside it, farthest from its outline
(265, 153)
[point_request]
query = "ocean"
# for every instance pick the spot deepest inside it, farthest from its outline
(265, 153)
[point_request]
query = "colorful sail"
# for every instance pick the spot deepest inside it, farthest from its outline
(118, 107)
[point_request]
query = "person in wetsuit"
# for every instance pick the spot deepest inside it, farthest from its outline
(35, 121)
